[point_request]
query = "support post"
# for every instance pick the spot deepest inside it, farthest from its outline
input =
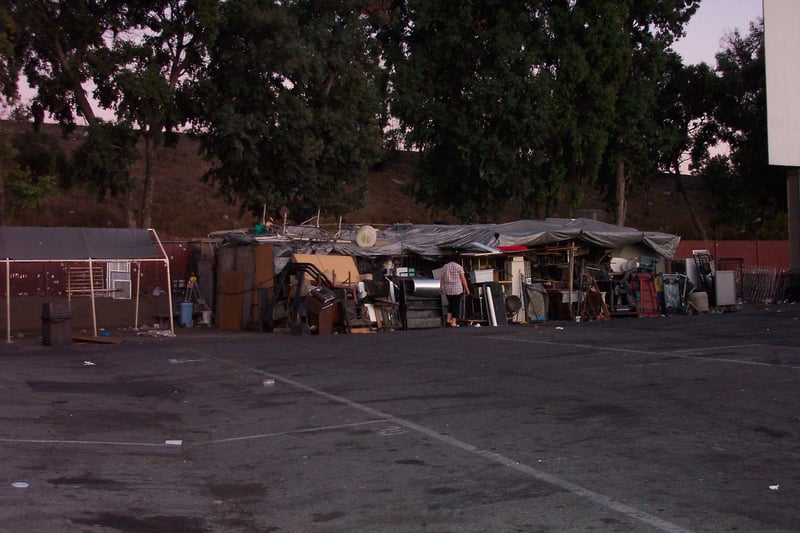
(138, 282)
(8, 300)
(169, 279)
(571, 253)
(91, 291)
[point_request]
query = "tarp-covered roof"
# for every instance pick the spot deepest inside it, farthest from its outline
(433, 241)
(28, 243)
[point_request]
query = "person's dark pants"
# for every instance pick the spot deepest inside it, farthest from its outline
(454, 304)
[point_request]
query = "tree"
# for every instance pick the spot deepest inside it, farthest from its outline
(287, 110)
(57, 44)
(508, 100)
(642, 131)
(464, 89)
(8, 66)
(102, 162)
(143, 75)
(682, 110)
(133, 58)
(590, 52)
(28, 169)
(751, 193)
(63, 48)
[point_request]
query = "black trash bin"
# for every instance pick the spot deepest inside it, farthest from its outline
(56, 324)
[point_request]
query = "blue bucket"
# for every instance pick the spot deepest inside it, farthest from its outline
(185, 316)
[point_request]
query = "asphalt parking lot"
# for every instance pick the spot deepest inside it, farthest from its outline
(684, 423)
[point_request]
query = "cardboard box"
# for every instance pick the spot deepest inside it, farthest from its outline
(340, 269)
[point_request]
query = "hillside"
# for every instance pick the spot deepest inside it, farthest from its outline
(187, 208)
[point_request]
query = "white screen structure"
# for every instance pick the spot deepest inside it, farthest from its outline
(782, 49)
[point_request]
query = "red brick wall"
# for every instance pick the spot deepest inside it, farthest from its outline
(753, 253)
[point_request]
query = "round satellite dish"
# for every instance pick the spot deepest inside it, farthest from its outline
(366, 236)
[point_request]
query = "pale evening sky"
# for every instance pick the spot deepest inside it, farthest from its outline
(713, 20)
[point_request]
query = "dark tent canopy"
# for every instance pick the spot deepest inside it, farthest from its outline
(75, 244)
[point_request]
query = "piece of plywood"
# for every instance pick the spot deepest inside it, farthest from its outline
(231, 298)
(264, 276)
(340, 269)
(263, 279)
(245, 263)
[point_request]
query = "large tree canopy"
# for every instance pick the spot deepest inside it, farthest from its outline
(57, 45)
(288, 109)
(642, 135)
(751, 193)
(508, 99)
(145, 72)
(130, 58)
(466, 91)
(28, 168)
(8, 63)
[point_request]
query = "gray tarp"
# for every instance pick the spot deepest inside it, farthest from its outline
(433, 241)
(23, 243)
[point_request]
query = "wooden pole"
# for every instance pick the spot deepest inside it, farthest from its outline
(571, 258)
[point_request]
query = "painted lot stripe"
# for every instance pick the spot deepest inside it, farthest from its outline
(684, 354)
(577, 490)
(168, 444)
(293, 432)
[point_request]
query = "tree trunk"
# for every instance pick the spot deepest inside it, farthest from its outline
(2, 198)
(149, 182)
(78, 91)
(131, 211)
(695, 220)
(5, 168)
(621, 205)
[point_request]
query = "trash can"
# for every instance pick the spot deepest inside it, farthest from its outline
(56, 324)
(186, 310)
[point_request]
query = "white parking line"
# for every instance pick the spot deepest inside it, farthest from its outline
(167, 444)
(577, 490)
(684, 354)
(291, 432)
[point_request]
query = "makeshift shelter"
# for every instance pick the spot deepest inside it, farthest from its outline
(417, 249)
(80, 245)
